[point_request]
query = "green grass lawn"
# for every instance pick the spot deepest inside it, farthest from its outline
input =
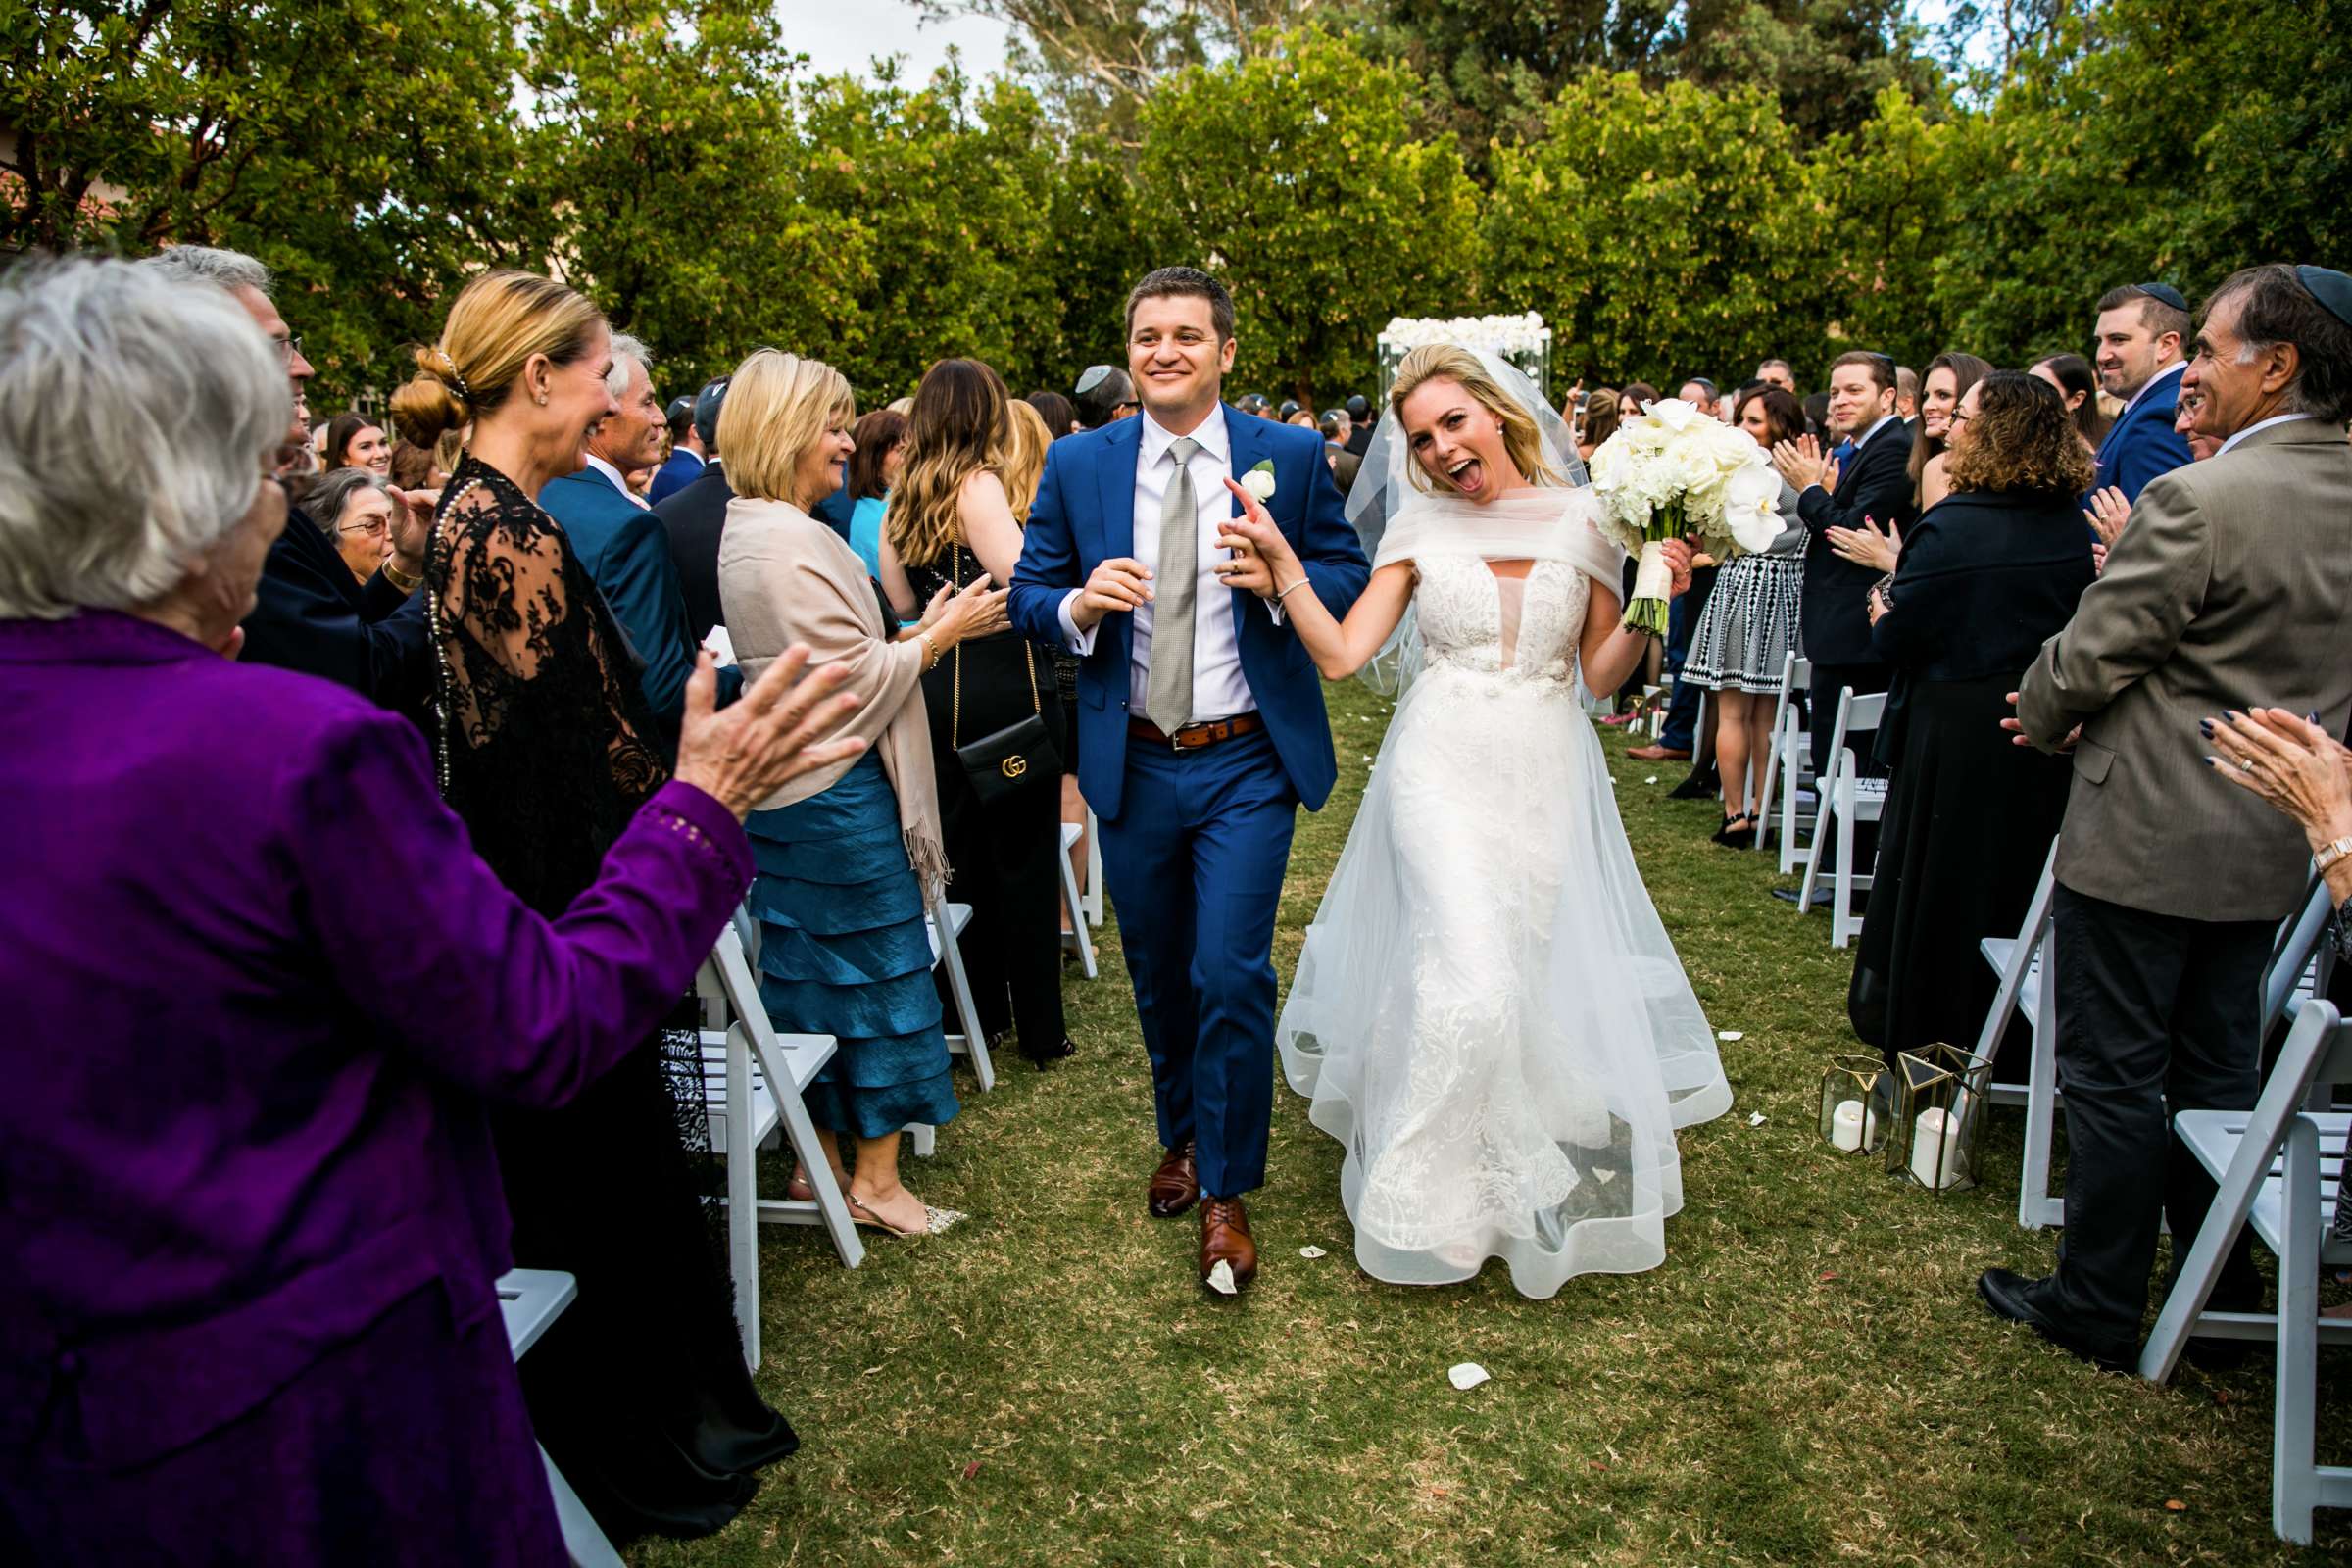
(1809, 1378)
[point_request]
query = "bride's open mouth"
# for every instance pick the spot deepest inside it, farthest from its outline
(1467, 476)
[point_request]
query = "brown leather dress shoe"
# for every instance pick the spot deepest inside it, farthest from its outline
(1225, 1236)
(1176, 1185)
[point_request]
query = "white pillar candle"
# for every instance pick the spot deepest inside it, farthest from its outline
(1936, 1148)
(1846, 1125)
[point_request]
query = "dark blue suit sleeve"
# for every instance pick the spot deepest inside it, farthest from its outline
(641, 582)
(371, 640)
(1048, 567)
(1328, 546)
(2151, 447)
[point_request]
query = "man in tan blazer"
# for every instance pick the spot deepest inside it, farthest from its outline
(2231, 586)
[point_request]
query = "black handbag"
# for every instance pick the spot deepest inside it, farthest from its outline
(1005, 762)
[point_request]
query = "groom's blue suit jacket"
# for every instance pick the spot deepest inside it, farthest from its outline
(1085, 514)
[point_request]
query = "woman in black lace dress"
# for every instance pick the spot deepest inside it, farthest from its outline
(639, 1391)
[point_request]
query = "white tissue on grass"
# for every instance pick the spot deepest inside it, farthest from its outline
(1220, 1277)
(1755, 1118)
(1652, 779)
(1310, 1252)
(1729, 1034)
(1469, 1375)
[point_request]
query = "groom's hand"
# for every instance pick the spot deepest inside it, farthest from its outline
(1119, 583)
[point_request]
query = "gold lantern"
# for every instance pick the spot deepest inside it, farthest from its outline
(1857, 1104)
(1940, 1101)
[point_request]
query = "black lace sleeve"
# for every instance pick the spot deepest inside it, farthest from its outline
(539, 738)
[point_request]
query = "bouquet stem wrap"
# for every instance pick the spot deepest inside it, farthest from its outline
(1653, 582)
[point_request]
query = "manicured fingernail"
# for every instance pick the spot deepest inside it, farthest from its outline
(2315, 716)
(2210, 762)
(2205, 728)
(2233, 716)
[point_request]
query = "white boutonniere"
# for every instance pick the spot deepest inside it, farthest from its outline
(1259, 482)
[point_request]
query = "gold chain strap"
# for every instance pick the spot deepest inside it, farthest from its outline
(1037, 708)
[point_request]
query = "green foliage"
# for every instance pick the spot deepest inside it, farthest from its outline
(1662, 234)
(361, 150)
(1885, 197)
(1295, 178)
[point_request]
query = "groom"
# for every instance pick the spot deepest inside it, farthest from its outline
(1201, 722)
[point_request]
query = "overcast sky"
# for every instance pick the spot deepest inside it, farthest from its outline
(840, 35)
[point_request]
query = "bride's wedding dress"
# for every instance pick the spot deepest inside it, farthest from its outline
(1487, 1014)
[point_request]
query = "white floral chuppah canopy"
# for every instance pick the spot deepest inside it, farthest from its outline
(1522, 340)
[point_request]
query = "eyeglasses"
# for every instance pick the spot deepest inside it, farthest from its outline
(1961, 418)
(374, 529)
(289, 349)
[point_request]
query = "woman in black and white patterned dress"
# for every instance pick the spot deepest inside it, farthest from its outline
(1746, 631)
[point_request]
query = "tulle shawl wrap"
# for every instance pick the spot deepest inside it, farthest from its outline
(1537, 525)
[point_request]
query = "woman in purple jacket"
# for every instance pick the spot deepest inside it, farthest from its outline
(257, 991)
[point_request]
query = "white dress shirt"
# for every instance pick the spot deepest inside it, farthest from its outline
(2262, 424)
(1220, 690)
(613, 474)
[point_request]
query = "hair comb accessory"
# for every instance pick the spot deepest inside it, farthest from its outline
(2332, 288)
(2164, 294)
(449, 374)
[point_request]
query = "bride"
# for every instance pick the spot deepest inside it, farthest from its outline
(1487, 1014)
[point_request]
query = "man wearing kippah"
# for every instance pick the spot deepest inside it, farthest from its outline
(2143, 338)
(2230, 589)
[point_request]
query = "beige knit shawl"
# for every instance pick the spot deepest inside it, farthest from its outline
(784, 578)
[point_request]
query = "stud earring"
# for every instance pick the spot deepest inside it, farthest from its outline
(543, 399)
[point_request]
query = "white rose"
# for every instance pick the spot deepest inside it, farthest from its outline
(1260, 484)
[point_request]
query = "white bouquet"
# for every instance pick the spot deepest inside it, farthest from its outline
(1523, 340)
(1674, 473)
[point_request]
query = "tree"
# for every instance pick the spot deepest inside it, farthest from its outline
(950, 191)
(1663, 234)
(665, 132)
(357, 149)
(1294, 176)
(1885, 196)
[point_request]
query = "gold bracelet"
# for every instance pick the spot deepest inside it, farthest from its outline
(1292, 589)
(401, 579)
(930, 648)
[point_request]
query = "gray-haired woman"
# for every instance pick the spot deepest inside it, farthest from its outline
(253, 1218)
(354, 508)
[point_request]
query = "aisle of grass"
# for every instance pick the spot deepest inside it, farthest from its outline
(1808, 1379)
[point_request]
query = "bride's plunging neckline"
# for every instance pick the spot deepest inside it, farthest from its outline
(1510, 604)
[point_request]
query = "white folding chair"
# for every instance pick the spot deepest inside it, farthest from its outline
(2027, 987)
(1075, 902)
(2302, 961)
(946, 922)
(2279, 1169)
(753, 1083)
(1848, 800)
(1789, 766)
(529, 1299)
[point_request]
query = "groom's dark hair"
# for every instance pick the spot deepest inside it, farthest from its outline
(1188, 282)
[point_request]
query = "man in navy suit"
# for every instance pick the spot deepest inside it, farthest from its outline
(687, 455)
(1200, 722)
(622, 544)
(1872, 483)
(2142, 330)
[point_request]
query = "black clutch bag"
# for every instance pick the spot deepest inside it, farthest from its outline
(1010, 759)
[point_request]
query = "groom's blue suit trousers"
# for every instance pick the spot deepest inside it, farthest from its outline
(1195, 862)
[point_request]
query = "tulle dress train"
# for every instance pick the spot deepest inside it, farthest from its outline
(1488, 1014)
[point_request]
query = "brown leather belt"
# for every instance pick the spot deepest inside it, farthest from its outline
(1193, 736)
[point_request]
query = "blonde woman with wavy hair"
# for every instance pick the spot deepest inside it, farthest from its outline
(850, 854)
(1488, 1016)
(954, 520)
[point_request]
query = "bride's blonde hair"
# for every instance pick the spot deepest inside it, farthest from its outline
(1448, 361)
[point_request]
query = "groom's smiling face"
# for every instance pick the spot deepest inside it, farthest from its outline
(1175, 354)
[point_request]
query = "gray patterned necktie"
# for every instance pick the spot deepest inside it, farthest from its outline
(1168, 691)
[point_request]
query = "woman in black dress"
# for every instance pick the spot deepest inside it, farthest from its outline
(952, 518)
(1985, 579)
(639, 1391)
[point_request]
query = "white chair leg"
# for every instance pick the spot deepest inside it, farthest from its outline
(1077, 906)
(1842, 895)
(1824, 826)
(743, 1193)
(2037, 1207)
(926, 1139)
(583, 1543)
(832, 1205)
(2295, 1479)
(1094, 870)
(967, 1012)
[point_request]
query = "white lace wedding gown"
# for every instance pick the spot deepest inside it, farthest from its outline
(1487, 1014)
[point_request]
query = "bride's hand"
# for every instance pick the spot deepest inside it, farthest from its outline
(1678, 557)
(1262, 553)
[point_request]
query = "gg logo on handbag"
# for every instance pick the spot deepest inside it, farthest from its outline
(1013, 766)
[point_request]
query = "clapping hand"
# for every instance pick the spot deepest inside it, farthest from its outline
(741, 755)
(1260, 553)
(1801, 462)
(2019, 737)
(1869, 545)
(2107, 513)
(2290, 762)
(412, 525)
